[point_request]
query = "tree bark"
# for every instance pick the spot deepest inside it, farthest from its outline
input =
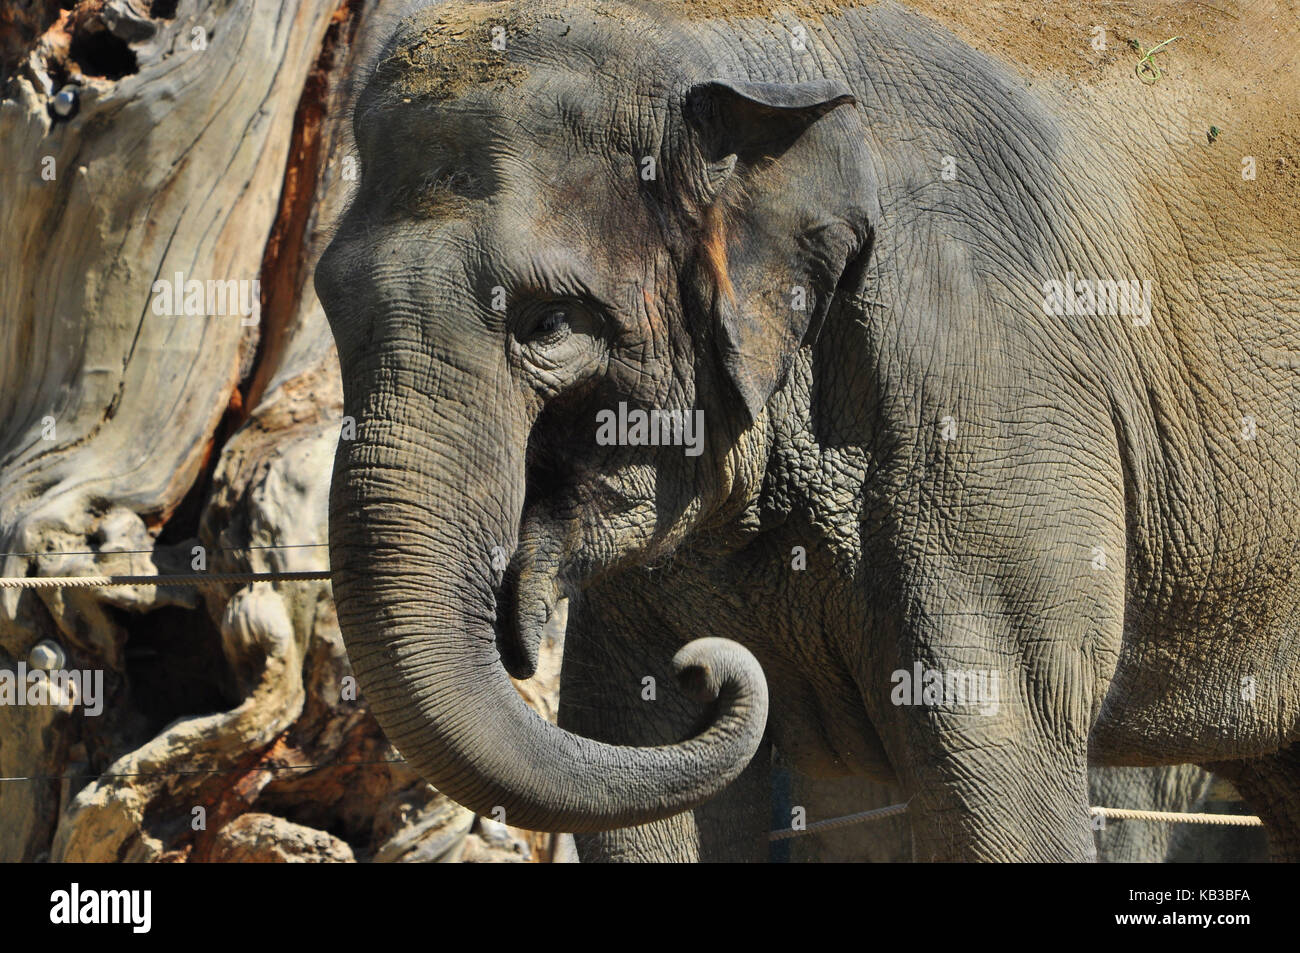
(205, 139)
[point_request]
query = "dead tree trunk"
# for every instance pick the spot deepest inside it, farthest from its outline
(170, 401)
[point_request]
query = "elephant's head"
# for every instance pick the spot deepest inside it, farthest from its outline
(590, 218)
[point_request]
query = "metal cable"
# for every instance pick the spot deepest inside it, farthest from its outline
(834, 823)
(1114, 813)
(1173, 817)
(51, 553)
(178, 579)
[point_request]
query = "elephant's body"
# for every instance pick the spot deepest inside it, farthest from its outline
(1072, 434)
(1100, 510)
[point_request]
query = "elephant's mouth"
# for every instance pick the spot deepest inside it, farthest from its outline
(541, 572)
(531, 589)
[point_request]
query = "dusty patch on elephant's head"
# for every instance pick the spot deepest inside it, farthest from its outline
(763, 9)
(440, 203)
(445, 49)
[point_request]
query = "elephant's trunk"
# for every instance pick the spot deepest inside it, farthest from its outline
(418, 503)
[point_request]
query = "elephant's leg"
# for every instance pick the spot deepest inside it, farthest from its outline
(617, 686)
(732, 828)
(664, 842)
(1015, 793)
(986, 716)
(1270, 786)
(999, 574)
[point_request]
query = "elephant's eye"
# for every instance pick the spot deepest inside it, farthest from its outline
(552, 328)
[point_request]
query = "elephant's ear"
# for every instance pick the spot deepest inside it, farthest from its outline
(780, 206)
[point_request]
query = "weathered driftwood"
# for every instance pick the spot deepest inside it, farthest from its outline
(203, 139)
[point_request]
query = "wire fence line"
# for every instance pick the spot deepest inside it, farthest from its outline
(176, 579)
(816, 827)
(202, 578)
(145, 552)
(835, 823)
(187, 772)
(164, 579)
(1173, 817)
(1111, 813)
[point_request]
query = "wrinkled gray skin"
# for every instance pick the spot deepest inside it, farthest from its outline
(476, 429)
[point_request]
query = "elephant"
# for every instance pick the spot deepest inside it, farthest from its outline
(867, 398)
